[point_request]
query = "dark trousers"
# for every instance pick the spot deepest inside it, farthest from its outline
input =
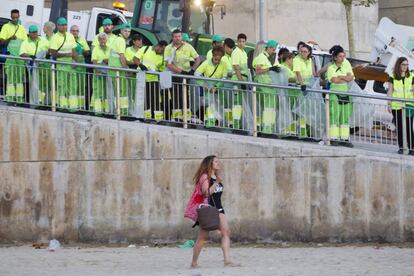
(398, 120)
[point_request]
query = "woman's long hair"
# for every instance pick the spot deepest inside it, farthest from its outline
(206, 167)
(397, 68)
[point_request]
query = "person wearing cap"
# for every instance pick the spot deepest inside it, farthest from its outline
(107, 28)
(267, 96)
(63, 48)
(213, 68)
(217, 40)
(100, 56)
(151, 59)
(37, 47)
(83, 50)
(12, 35)
(178, 55)
(186, 37)
(130, 52)
(117, 59)
(241, 73)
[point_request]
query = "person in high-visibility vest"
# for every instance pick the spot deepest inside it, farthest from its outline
(107, 28)
(213, 68)
(12, 35)
(401, 85)
(130, 52)
(151, 59)
(217, 40)
(339, 74)
(37, 47)
(241, 71)
(100, 55)
(63, 48)
(268, 99)
(304, 70)
(177, 56)
(117, 59)
(286, 60)
(83, 50)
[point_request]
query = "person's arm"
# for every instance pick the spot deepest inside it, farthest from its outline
(206, 189)
(123, 60)
(337, 79)
(197, 62)
(74, 55)
(55, 54)
(349, 77)
(389, 94)
(299, 78)
(174, 68)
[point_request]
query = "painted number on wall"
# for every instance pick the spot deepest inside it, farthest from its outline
(76, 17)
(148, 5)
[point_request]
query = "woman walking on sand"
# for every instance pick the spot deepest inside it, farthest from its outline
(209, 189)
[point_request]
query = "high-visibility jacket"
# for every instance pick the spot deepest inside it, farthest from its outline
(63, 45)
(153, 61)
(38, 47)
(117, 47)
(263, 61)
(130, 52)
(290, 73)
(335, 71)
(7, 31)
(81, 45)
(180, 56)
(239, 57)
(402, 89)
(99, 54)
(304, 67)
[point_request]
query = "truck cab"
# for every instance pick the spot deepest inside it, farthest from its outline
(156, 19)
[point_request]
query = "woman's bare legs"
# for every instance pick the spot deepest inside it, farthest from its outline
(201, 239)
(225, 240)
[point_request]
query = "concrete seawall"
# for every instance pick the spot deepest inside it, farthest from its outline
(79, 178)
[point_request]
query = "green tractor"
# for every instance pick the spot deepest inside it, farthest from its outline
(156, 19)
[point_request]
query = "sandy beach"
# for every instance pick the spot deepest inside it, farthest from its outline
(143, 260)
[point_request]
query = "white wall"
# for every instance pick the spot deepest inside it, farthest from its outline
(289, 21)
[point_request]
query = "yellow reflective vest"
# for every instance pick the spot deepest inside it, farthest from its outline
(402, 89)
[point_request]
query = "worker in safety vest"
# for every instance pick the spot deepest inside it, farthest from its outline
(130, 52)
(177, 56)
(401, 85)
(100, 56)
(214, 97)
(37, 47)
(107, 28)
(304, 70)
(241, 72)
(286, 63)
(339, 74)
(12, 35)
(63, 48)
(117, 59)
(217, 40)
(268, 99)
(83, 50)
(151, 59)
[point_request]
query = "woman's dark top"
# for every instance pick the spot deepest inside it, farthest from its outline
(215, 198)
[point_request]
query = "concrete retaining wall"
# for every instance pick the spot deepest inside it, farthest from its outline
(79, 178)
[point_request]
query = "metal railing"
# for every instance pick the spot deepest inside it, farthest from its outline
(270, 110)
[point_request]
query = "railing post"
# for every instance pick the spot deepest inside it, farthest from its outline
(254, 109)
(328, 123)
(117, 99)
(185, 124)
(53, 68)
(404, 128)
